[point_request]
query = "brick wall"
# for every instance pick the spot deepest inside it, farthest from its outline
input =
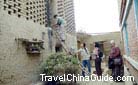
(132, 41)
(132, 34)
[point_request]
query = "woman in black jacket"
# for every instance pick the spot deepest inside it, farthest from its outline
(98, 58)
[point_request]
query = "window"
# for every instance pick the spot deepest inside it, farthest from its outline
(126, 44)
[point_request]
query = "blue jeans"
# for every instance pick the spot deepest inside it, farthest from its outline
(88, 64)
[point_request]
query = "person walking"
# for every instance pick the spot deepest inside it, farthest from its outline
(116, 62)
(98, 54)
(85, 58)
(59, 24)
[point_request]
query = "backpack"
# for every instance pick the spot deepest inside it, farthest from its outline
(100, 53)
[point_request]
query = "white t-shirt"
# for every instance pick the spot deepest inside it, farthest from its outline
(85, 55)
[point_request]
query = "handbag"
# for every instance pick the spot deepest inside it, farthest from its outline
(118, 61)
(110, 63)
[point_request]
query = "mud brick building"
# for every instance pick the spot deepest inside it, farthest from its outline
(103, 39)
(25, 39)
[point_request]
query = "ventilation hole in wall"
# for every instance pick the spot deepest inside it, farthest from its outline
(34, 7)
(27, 18)
(27, 3)
(4, 1)
(43, 22)
(15, 5)
(14, 11)
(31, 17)
(19, 4)
(34, 16)
(40, 23)
(31, 12)
(30, 7)
(34, 21)
(27, 13)
(19, 10)
(9, 12)
(5, 7)
(19, 15)
(9, 6)
(14, 0)
(27, 8)
(30, 3)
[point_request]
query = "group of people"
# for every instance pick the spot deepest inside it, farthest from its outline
(115, 61)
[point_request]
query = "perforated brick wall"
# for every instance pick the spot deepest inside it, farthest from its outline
(34, 10)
